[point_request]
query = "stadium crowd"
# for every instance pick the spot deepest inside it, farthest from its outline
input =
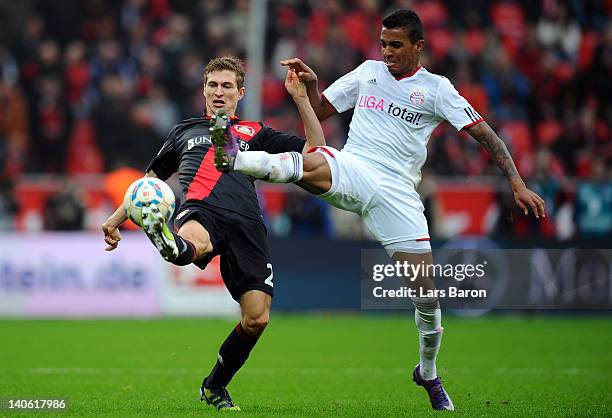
(93, 86)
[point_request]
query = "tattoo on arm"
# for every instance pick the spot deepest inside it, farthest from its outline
(496, 148)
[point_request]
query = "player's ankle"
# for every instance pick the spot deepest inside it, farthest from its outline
(186, 251)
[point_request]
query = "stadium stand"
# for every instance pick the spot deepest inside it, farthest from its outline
(92, 86)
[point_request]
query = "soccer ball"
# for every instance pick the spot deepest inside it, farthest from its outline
(144, 191)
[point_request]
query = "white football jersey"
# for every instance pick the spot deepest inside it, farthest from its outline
(393, 119)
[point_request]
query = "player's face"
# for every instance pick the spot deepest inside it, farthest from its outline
(221, 91)
(399, 53)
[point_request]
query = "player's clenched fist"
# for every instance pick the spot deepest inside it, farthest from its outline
(112, 236)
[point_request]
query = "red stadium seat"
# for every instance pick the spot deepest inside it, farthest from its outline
(476, 95)
(509, 20)
(440, 41)
(586, 51)
(474, 41)
(83, 154)
(548, 131)
(433, 13)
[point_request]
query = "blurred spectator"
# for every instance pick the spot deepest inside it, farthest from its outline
(64, 209)
(164, 113)
(110, 61)
(8, 205)
(506, 87)
(507, 225)
(188, 88)
(9, 71)
(539, 71)
(473, 92)
(14, 129)
(510, 58)
(545, 182)
(77, 74)
(124, 130)
(52, 124)
(594, 203)
(557, 31)
(111, 118)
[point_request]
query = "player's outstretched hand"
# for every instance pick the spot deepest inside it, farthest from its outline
(295, 86)
(526, 199)
(303, 71)
(112, 236)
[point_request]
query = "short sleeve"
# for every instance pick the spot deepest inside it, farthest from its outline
(166, 161)
(343, 92)
(453, 107)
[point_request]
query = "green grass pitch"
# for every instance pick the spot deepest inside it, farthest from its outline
(312, 365)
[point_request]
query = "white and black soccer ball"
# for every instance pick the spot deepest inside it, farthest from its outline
(145, 191)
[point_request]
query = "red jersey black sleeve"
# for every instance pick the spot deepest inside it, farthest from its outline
(275, 142)
(166, 161)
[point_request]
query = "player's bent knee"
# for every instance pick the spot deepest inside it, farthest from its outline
(317, 178)
(313, 162)
(256, 325)
(195, 233)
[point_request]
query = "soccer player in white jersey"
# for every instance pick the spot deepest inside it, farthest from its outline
(397, 105)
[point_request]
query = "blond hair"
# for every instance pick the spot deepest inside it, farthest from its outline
(229, 63)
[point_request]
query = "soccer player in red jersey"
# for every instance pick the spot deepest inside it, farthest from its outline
(221, 213)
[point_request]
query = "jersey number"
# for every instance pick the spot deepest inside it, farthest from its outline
(268, 281)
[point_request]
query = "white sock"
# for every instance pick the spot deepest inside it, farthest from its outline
(428, 318)
(286, 167)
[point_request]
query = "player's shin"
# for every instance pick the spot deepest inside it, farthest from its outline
(428, 318)
(287, 167)
(233, 353)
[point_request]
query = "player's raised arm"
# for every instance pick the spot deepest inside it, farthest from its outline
(322, 108)
(496, 148)
(312, 126)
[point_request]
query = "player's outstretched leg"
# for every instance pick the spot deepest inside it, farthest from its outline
(171, 246)
(286, 167)
(154, 225)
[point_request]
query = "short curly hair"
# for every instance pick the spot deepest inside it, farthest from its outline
(230, 63)
(408, 20)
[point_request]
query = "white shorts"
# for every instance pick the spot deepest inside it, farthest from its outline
(390, 207)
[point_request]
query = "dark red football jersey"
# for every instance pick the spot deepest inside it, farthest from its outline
(188, 150)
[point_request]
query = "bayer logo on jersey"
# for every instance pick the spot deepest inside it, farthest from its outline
(146, 191)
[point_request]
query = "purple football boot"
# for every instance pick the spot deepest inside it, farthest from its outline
(437, 395)
(226, 145)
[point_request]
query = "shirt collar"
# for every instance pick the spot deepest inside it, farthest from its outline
(232, 118)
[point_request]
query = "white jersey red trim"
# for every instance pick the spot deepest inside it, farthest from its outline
(394, 118)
